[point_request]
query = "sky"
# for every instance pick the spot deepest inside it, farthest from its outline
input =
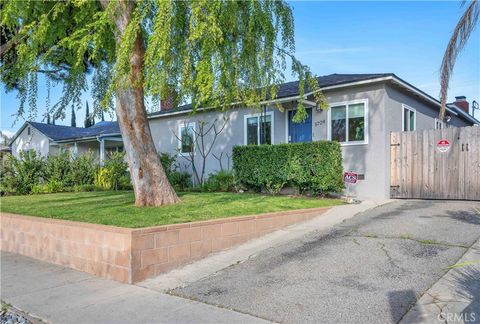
(407, 38)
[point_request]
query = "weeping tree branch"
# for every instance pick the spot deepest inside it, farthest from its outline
(459, 38)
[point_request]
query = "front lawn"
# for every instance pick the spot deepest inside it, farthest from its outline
(117, 208)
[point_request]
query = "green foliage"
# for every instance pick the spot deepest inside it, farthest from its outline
(58, 168)
(211, 52)
(168, 162)
(220, 181)
(19, 175)
(83, 169)
(52, 186)
(31, 173)
(314, 168)
(114, 174)
(179, 180)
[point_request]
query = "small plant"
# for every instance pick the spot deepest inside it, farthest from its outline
(180, 180)
(220, 181)
(114, 174)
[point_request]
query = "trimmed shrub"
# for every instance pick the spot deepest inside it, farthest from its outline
(220, 181)
(314, 168)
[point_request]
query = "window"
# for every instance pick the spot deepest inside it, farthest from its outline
(187, 138)
(29, 131)
(439, 124)
(348, 123)
(258, 129)
(408, 118)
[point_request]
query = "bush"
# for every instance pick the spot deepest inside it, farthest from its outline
(314, 167)
(19, 175)
(180, 180)
(220, 181)
(114, 174)
(58, 168)
(83, 169)
(51, 186)
(169, 163)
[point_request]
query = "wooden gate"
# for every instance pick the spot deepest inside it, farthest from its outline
(424, 166)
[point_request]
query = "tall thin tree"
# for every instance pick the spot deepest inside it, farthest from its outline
(460, 36)
(73, 121)
(88, 121)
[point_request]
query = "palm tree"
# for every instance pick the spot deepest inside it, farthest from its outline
(459, 38)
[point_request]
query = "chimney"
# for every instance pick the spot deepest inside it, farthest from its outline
(462, 103)
(168, 103)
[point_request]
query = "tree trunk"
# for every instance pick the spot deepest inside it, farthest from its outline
(150, 182)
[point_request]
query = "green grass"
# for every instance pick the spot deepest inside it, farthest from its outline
(117, 208)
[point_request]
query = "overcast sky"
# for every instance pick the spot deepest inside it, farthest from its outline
(407, 38)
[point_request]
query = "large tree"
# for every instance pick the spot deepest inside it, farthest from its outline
(465, 27)
(212, 53)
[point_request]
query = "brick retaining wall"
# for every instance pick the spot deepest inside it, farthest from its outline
(132, 255)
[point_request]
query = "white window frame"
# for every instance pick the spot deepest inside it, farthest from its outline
(258, 115)
(443, 124)
(180, 127)
(346, 103)
(414, 117)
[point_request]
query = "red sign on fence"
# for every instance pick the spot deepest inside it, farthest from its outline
(443, 145)
(350, 177)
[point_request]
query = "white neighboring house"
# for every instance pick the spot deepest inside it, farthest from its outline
(48, 139)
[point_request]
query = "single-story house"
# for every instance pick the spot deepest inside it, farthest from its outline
(363, 110)
(47, 139)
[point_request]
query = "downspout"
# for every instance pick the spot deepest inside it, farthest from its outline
(101, 150)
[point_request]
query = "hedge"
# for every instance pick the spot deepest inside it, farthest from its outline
(314, 167)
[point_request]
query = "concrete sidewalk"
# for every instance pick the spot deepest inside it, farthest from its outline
(60, 295)
(455, 298)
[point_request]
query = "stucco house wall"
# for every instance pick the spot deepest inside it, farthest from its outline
(371, 159)
(35, 141)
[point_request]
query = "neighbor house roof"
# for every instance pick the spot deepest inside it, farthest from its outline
(290, 90)
(66, 133)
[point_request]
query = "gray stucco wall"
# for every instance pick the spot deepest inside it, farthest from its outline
(367, 159)
(163, 130)
(35, 141)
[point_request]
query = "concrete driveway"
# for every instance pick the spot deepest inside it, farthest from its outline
(369, 269)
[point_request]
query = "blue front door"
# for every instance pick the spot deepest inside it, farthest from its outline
(300, 132)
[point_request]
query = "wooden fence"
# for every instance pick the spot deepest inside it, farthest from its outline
(436, 164)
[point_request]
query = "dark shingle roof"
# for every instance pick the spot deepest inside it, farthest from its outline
(59, 132)
(290, 89)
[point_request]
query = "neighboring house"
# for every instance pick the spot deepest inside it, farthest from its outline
(364, 109)
(49, 139)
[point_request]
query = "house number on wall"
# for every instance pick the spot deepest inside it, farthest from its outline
(319, 123)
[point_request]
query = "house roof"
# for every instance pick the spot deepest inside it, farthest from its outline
(290, 89)
(326, 82)
(65, 133)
